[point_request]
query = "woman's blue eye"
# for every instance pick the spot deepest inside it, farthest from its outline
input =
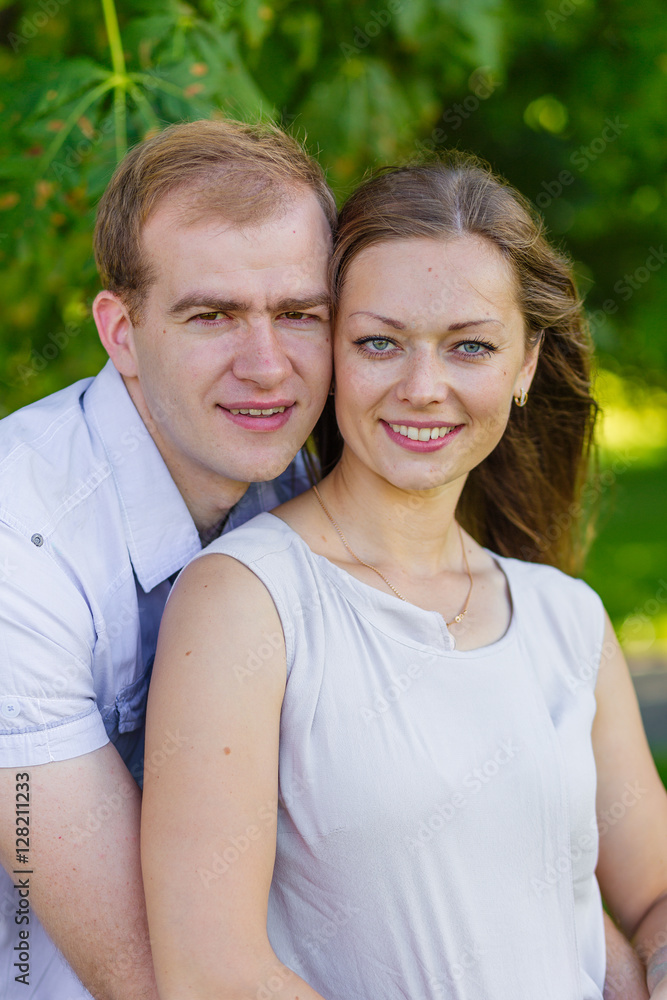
(475, 348)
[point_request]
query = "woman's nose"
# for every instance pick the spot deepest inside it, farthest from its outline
(424, 381)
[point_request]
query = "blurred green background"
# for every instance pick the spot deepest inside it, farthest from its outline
(566, 98)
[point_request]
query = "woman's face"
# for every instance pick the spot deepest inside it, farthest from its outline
(429, 350)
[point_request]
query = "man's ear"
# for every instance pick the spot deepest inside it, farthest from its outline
(527, 373)
(116, 331)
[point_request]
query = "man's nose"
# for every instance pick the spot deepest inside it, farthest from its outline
(261, 357)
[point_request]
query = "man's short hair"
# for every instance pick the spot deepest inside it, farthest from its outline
(242, 172)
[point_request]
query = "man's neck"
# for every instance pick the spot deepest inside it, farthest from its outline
(209, 535)
(208, 497)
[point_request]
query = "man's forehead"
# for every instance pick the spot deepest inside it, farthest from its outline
(181, 213)
(289, 251)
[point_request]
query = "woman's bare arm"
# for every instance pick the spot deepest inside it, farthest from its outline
(632, 816)
(210, 807)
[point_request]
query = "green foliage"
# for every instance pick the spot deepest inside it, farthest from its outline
(566, 98)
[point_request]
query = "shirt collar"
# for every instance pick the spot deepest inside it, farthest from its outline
(160, 533)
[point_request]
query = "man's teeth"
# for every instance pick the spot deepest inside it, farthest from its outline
(261, 413)
(421, 433)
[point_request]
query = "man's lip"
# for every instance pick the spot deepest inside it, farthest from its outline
(257, 405)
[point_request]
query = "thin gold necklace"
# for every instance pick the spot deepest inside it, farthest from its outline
(464, 611)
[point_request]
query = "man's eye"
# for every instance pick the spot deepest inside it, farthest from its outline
(210, 317)
(300, 317)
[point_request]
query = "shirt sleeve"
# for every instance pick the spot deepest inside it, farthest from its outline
(48, 708)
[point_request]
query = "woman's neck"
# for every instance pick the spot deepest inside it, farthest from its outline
(385, 525)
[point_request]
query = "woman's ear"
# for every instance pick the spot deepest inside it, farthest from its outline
(525, 377)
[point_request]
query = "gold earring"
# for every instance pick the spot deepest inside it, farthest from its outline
(522, 398)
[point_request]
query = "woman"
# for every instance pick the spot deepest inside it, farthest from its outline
(393, 733)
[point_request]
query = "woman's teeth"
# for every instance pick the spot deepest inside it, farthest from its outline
(260, 413)
(421, 433)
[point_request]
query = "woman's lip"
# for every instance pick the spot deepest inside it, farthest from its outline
(421, 423)
(422, 446)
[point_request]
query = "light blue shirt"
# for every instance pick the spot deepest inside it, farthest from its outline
(92, 527)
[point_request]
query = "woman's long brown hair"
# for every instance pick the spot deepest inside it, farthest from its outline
(527, 498)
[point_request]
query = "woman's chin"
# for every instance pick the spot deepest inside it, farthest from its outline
(421, 481)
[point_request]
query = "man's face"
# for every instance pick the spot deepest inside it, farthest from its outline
(233, 350)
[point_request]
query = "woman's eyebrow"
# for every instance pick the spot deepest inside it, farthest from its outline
(473, 322)
(394, 323)
(397, 325)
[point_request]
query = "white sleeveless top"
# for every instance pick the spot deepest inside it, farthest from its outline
(436, 817)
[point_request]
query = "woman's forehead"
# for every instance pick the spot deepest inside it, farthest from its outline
(438, 276)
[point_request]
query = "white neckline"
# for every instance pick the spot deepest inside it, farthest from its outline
(376, 597)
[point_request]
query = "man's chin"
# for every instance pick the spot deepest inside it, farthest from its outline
(258, 471)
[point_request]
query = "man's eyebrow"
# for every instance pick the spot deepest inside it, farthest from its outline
(208, 302)
(302, 302)
(211, 302)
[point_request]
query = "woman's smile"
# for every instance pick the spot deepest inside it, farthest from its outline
(421, 437)
(430, 347)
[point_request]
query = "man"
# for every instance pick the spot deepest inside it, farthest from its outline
(213, 241)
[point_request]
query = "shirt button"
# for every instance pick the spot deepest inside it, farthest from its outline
(37, 540)
(10, 708)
